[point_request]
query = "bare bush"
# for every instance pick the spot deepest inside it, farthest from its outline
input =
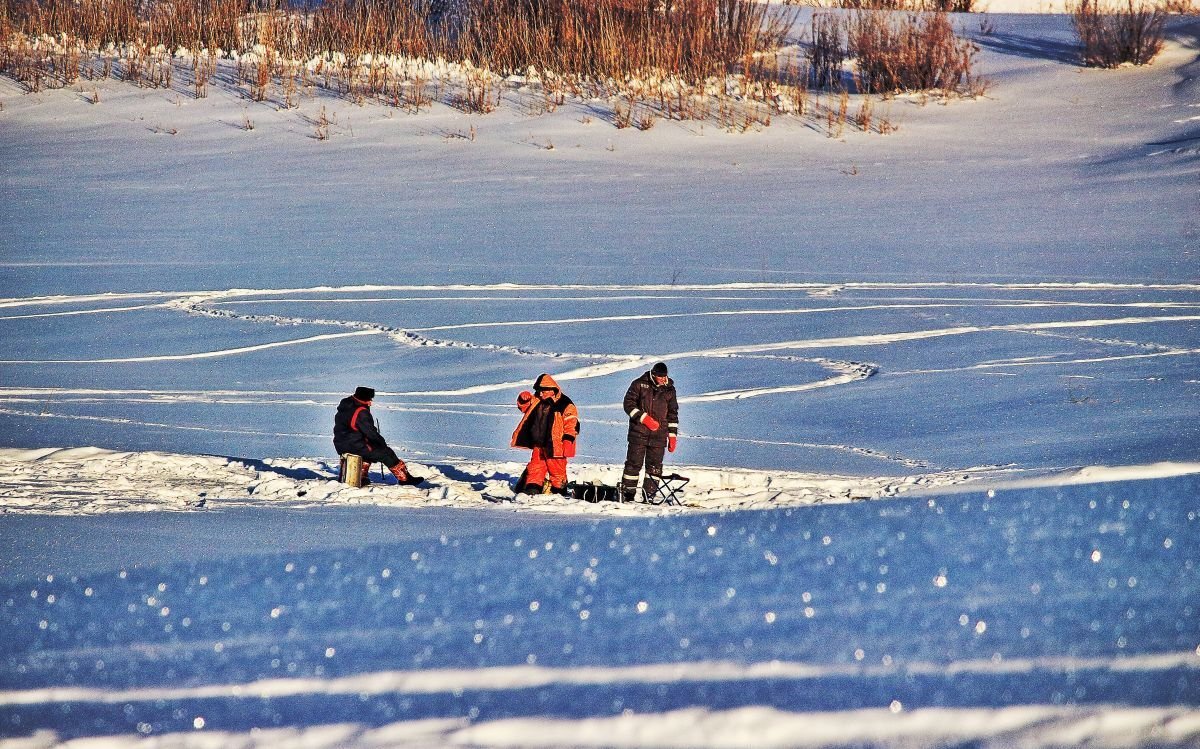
(651, 60)
(599, 38)
(622, 114)
(949, 6)
(645, 119)
(912, 52)
(481, 95)
(828, 53)
(1113, 33)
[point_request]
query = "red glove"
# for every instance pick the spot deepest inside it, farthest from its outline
(524, 400)
(568, 447)
(650, 423)
(671, 444)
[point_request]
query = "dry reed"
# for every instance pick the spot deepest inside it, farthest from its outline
(1113, 33)
(649, 59)
(911, 52)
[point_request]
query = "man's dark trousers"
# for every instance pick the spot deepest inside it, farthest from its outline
(643, 451)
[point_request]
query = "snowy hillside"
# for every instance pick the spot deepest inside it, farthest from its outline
(939, 405)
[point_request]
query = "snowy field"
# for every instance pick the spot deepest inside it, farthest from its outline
(939, 399)
(1035, 617)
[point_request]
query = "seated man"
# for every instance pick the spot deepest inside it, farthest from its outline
(355, 431)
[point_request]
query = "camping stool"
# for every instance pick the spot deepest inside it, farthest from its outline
(350, 471)
(668, 491)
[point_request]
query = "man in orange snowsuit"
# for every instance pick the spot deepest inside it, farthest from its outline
(548, 427)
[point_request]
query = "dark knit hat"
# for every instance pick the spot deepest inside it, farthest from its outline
(364, 393)
(659, 370)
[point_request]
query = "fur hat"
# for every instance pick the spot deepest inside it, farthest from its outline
(364, 393)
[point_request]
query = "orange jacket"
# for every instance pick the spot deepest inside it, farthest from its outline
(564, 425)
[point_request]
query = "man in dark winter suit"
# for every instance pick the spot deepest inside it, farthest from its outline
(355, 432)
(653, 413)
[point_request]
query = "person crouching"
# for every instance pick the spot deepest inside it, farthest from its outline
(548, 427)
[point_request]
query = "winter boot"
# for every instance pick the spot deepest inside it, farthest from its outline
(365, 476)
(519, 487)
(400, 471)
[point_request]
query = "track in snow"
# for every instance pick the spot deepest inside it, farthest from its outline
(464, 351)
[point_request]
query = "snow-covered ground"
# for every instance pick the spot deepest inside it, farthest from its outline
(1047, 617)
(939, 400)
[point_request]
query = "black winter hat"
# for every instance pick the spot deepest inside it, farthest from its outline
(364, 393)
(659, 370)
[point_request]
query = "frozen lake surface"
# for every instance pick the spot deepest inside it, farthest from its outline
(859, 379)
(1034, 617)
(939, 405)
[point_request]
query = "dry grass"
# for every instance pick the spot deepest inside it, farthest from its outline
(1114, 33)
(613, 39)
(479, 95)
(946, 6)
(827, 55)
(865, 115)
(650, 60)
(645, 119)
(594, 38)
(912, 52)
(622, 113)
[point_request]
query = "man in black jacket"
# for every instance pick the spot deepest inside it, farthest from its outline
(355, 431)
(653, 413)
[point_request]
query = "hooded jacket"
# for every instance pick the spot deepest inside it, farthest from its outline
(550, 423)
(354, 429)
(645, 397)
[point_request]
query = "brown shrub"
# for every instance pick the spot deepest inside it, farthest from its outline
(828, 53)
(1114, 33)
(911, 52)
(599, 38)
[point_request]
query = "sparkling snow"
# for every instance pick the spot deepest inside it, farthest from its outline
(939, 406)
